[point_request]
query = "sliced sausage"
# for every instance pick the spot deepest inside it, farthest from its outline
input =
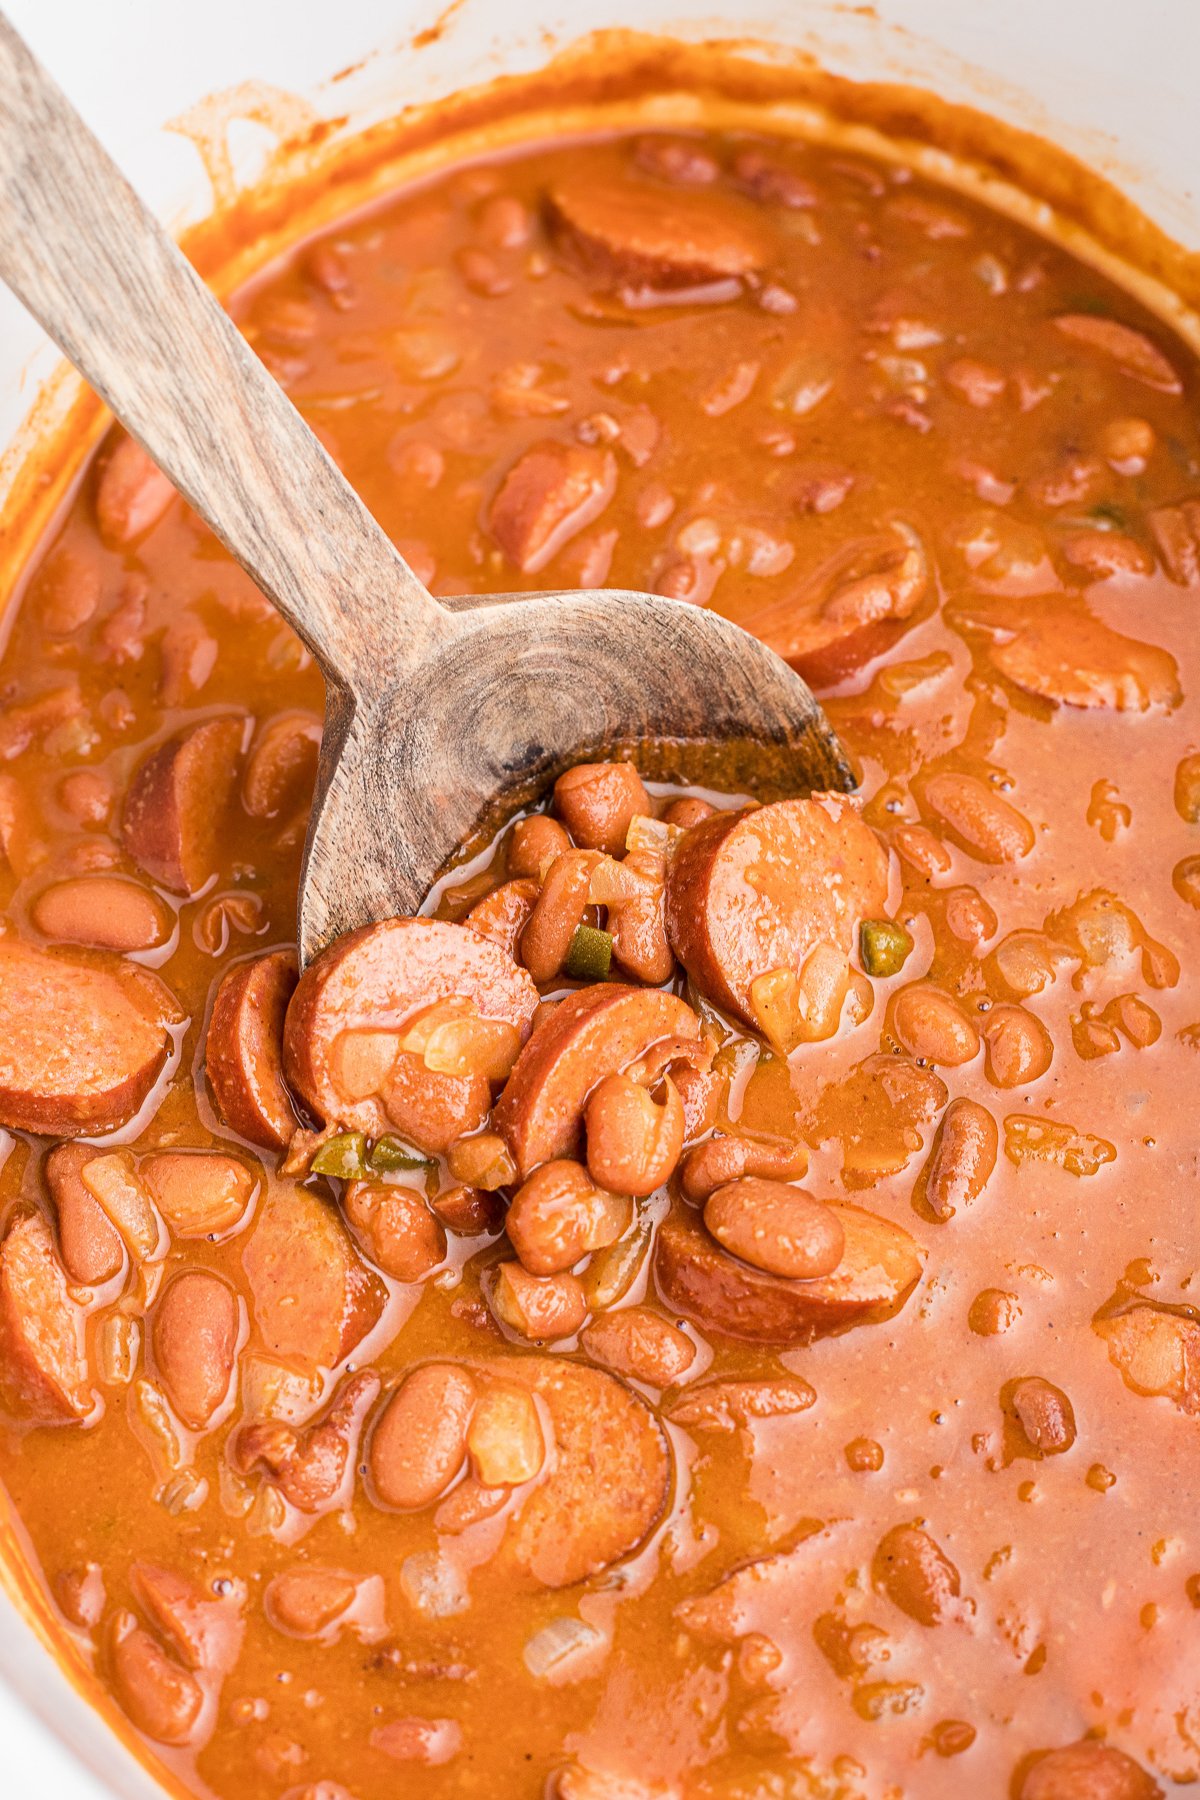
(1067, 655)
(1087, 1770)
(314, 1468)
(176, 802)
(594, 1032)
(608, 1483)
(355, 998)
(195, 1336)
(1132, 351)
(313, 1299)
(43, 1356)
(79, 1046)
(244, 1049)
(878, 1269)
(750, 893)
(281, 768)
(420, 1442)
(548, 496)
(132, 494)
(104, 911)
(632, 231)
(200, 1193)
(90, 1245)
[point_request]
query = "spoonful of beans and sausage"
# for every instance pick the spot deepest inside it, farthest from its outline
(438, 716)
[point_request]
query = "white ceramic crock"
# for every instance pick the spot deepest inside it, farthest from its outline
(1110, 81)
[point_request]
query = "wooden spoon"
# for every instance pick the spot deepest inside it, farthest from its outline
(436, 720)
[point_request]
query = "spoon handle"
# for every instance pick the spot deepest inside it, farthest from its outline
(105, 281)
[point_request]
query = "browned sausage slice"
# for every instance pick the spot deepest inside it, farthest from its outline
(879, 1266)
(749, 893)
(43, 1357)
(90, 1244)
(549, 495)
(313, 1298)
(79, 1045)
(594, 1032)
(632, 231)
(244, 1051)
(176, 802)
(609, 1480)
(341, 1048)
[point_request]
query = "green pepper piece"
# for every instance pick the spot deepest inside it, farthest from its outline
(883, 945)
(344, 1157)
(389, 1154)
(1108, 516)
(590, 955)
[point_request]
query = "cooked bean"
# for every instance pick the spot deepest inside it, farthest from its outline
(468, 1211)
(559, 1215)
(65, 592)
(201, 1194)
(429, 1742)
(163, 1700)
(503, 914)
(638, 926)
(105, 911)
(533, 843)
(195, 1339)
(1044, 1414)
(396, 1228)
(595, 1032)
(306, 1601)
(723, 1159)
(504, 1439)
(92, 1251)
(931, 1026)
(420, 1441)
(1019, 1049)
(750, 893)
(878, 1269)
(917, 1576)
(641, 1345)
(992, 1312)
(597, 803)
(1088, 1770)
(734, 1405)
(961, 1162)
(282, 766)
(176, 804)
(634, 1136)
(1131, 350)
(547, 497)
(776, 1227)
(132, 494)
(977, 818)
(557, 915)
(44, 1373)
(541, 1308)
(82, 1046)
(687, 811)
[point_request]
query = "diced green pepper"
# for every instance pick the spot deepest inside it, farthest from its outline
(883, 945)
(389, 1154)
(1108, 516)
(590, 955)
(344, 1157)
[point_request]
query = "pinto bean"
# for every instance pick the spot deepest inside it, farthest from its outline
(597, 802)
(557, 913)
(175, 805)
(609, 1482)
(878, 1269)
(113, 1181)
(44, 1373)
(549, 495)
(541, 1308)
(200, 1193)
(594, 1032)
(749, 893)
(428, 1742)
(723, 1159)
(420, 1442)
(931, 1026)
(90, 1245)
(735, 1405)
(961, 1162)
(1019, 1048)
(1177, 533)
(307, 1600)
(163, 1700)
(396, 1228)
(776, 1227)
(977, 818)
(65, 591)
(104, 911)
(203, 1630)
(634, 1136)
(1044, 1414)
(313, 1469)
(915, 1573)
(534, 842)
(559, 1215)
(281, 768)
(503, 914)
(505, 1439)
(132, 494)
(1087, 1770)
(80, 1045)
(369, 981)
(631, 231)
(312, 1298)
(195, 1338)
(640, 1345)
(638, 926)
(468, 1211)
(688, 811)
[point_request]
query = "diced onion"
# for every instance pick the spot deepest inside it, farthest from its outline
(552, 1650)
(433, 1585)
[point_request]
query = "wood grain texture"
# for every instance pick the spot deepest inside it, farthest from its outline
(438, 719)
